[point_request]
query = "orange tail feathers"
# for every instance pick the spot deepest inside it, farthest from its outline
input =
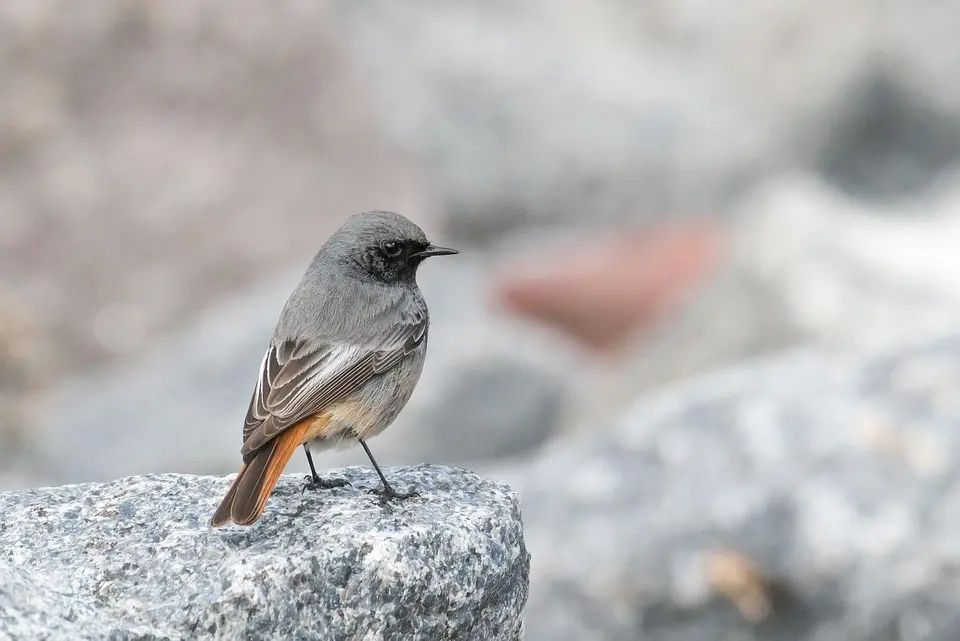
(247, 496)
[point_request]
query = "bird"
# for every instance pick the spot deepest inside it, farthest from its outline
(344, 358)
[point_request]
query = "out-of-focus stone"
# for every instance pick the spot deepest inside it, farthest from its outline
(534, 114)
(884, 141)
(23, 366)
(553, 111)
(601, 291)
(495, 408)
(810, 496)
(805, 263)
(157, 156)
(852, 272)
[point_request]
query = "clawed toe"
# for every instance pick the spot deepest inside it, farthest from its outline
(322, 484)
(388, 493)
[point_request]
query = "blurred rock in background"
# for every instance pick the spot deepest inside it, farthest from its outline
(810, 496)
(599, 290)
(849, 271)
(535, 114)
(23, 365)
(157, 157)
(540, 112)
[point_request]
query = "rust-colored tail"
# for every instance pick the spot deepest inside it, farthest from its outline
(247, 496)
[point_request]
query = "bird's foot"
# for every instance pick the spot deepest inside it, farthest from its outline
(316, 483)
(387, 493)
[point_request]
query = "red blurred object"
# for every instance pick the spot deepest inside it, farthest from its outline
(603, 290)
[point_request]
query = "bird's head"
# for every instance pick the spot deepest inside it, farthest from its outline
(383, 245)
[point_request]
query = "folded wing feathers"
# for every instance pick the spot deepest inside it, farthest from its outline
(299, 379)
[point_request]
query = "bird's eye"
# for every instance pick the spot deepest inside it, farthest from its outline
(391, 248)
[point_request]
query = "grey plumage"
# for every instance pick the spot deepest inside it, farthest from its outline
(349, 345)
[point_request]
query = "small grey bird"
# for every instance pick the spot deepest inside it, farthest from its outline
(344, 359)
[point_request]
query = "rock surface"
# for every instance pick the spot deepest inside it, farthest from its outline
(136, 558)
(812, 496)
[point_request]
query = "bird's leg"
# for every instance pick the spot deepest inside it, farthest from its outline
(387, 492)
(314, 482)
(314, 477)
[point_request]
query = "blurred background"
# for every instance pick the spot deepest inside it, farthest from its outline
(641, 193)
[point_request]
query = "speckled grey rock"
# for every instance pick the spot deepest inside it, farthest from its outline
(812, 496)
(135, 558)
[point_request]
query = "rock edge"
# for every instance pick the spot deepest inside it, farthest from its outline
(136, 558)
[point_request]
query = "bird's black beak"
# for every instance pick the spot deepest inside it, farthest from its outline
(433, 250)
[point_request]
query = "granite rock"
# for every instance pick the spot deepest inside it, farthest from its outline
(136, 559)
(809, 496)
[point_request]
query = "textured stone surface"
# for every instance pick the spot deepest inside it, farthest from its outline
(135, 558)
(812, 496)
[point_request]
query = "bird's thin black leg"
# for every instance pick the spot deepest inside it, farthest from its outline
(314, 482)
(314, 477)
(387, 492)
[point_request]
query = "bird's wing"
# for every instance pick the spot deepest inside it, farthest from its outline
(300, 378)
